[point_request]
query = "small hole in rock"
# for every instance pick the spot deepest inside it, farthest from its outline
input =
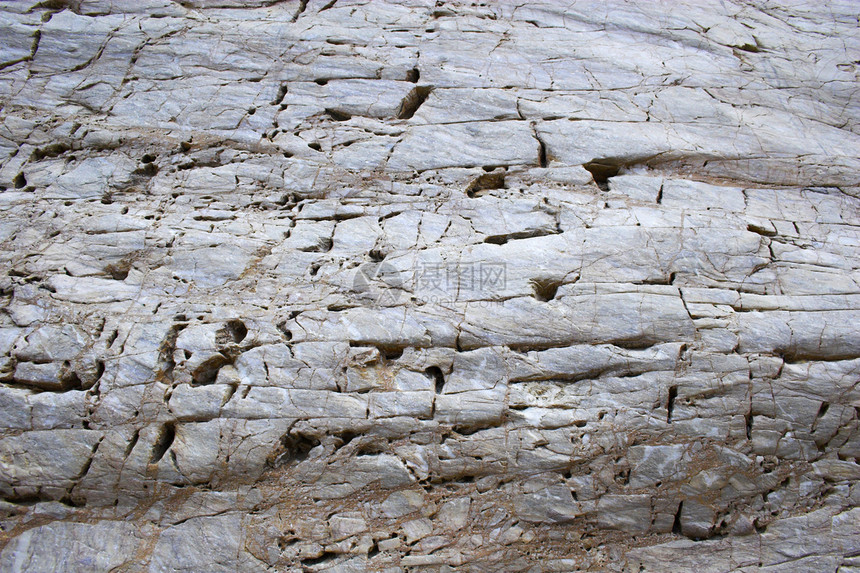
(119, 271)
(391, 353)
(413, 101)
(294, 448)
(435, 373)
(487, 181)
(670, 404)
(207, 372)
(752, 48)
(545, 289)
(601, 172)
(288, 334)
(676, 525)
(338, 115)
(165, 440)
(237, 330)
(542, 159)
(148, 170)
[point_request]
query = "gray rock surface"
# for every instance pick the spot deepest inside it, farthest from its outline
(409, 285)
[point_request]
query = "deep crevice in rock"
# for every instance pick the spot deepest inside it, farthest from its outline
(163, 443)
(413, 100)
(435, 374)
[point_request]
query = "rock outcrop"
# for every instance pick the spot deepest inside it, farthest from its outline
(411, 285)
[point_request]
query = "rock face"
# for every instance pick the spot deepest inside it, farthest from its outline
(429, 286)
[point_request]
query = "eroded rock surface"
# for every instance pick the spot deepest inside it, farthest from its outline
(429, 286)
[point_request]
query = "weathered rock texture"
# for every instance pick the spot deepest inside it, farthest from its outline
(425, 286)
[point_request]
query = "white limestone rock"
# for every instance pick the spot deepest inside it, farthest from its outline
(92, 547)
(465, 145)
(366, 286)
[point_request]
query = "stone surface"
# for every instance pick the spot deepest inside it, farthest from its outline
(408, 285)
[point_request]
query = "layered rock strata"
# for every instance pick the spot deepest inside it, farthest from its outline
(429, 286)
